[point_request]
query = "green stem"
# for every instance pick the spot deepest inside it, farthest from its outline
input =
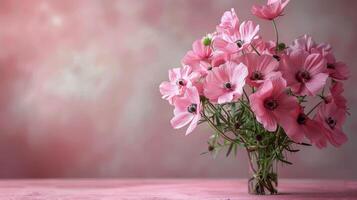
(256, 51)
(314, 108)
(277, 36)
(219, 131)
(246, 95)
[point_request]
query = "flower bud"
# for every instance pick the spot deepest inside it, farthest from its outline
(259, 137)
(207, 41)
(210, 148)
(281, 46)
(237, 125)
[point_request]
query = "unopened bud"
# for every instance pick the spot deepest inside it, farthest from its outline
(281, 46)
(210, 148)
(259, 137)
(207, 41)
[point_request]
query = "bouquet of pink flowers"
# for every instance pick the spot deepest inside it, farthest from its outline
(264, 96)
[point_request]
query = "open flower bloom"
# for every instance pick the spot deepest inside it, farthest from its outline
(336, 70)
(270, 11)
(187, 110)
(272, 106)
(180, 79)
(332, 118)
(225, 83)
(305, 73)
(232, 42)
(335, 96)
(307, 44)
(199, 53)
(218, 58)
(229, 22)
(260, 68)
(304, 126)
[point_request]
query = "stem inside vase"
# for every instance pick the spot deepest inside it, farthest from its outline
(263, 175)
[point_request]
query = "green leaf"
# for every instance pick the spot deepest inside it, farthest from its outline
(285, 161)
(229, 149)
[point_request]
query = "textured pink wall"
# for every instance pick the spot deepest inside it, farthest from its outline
(79, 86)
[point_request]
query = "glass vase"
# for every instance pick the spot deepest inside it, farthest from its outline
(263, 174)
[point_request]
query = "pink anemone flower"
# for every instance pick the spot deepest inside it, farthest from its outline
(199, 53)
(225, 83)
(270, 11)
(335, 96)
(187, 110)
(305, 73)
(304, 126)
(180, 79)
(260, 68)
(272, 106)
(336, 69)
(240, 39)
(229, 22)
(307, 44)
(332, 119)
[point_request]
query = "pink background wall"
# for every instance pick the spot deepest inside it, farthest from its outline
(79, 87)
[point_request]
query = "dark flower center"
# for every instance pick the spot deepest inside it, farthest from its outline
(302, 118)
(276, 57)
(256, 76)
(270, 104)
(192, 108)
(181, 82)
(228, 85)
(209, 68)
(303, 76)
(331, 122)
(240, 43)
(330, 66)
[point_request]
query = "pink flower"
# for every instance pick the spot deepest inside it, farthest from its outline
(240, 39)
(272, 106)
(260, 68)
(225, 83)
(307, 44)
(180, 79)
(187, 110)
(336, 70)
(199, 53)
(218, 58)
(270, 11)
(229, 22)
(304, 72)
(304, 126)
(336, 96)
(332, 118)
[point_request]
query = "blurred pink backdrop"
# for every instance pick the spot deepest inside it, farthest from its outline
(79, 87)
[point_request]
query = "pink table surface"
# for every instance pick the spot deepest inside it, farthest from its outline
(169, 189)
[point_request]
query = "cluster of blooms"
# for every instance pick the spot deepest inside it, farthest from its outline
(279, 79)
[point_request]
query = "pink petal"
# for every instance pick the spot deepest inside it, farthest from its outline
(269, 122)
(315, 64)
(193, 95)
(316, 83)
(181, 119)
(341, 71)
(225, 98)
(223, 45)
(168, 89)
(313, 131)
(193, 124)
(248, 30)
